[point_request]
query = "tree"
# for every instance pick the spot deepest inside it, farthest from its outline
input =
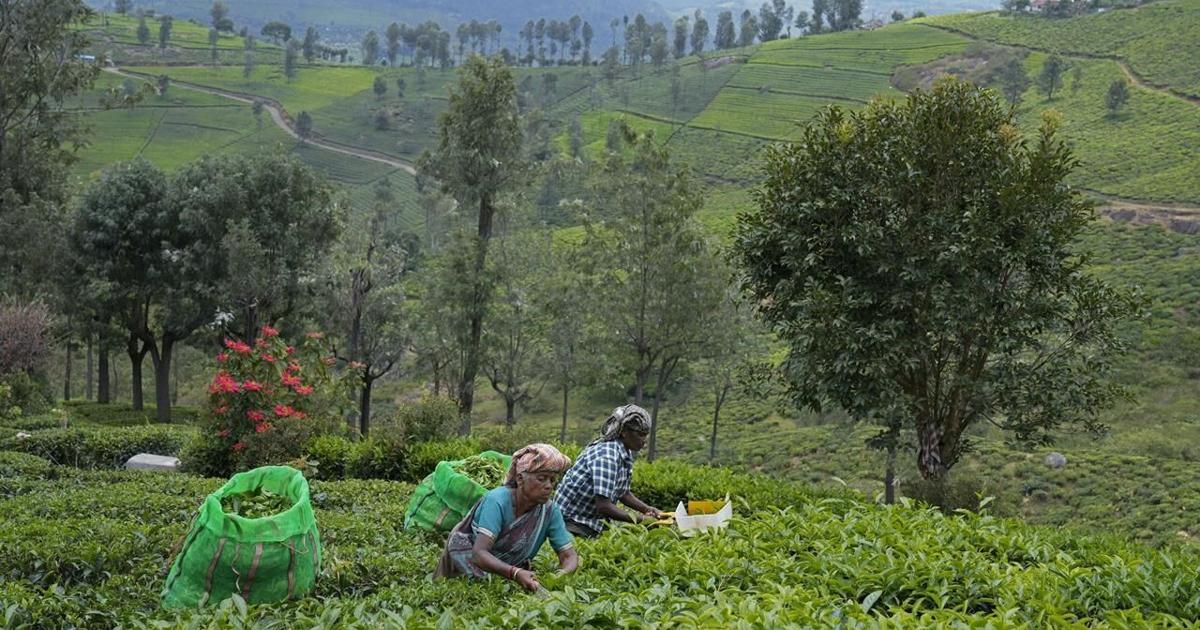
(1117, 96)
(1013, 80)
(256, 108)
(476, 160)
(123, 7)
(247, 64)
(311, 37)
(164, 31)
(770, 24)
(575, 138)
(515, 348)
(699, 33)
(219, 12)
(40, 73)
(897, 16)
(213, 37)
(370, 48)
(802, 22)
(1076, 77)
(1051, 76)
(277, 31)
(730, 356)
(392, 35)
(654, 266)
(748, 29)
(681, 36)
(659, 50)
(587, 33)
(563, 298)
(845, 14)
(163, 82)
(382, 121)
(291, 58)
(857, 255)
(143, 30)
(726, 35)
(380, 87)
(821, 11)
(400, 88)
(304, 126)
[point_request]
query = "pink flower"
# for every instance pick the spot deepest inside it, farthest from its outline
(267, 331)
(252, 386)
(299, 415)
(293, 366)
(222, 410)
(223, 383)
(260, 343)
(304, 390)
(237, 346)
(284, 411)
(237, 446)
(255, 415)
(290, 350)
(291, 380)
(222, 357)
(269, 358)
(262, 427)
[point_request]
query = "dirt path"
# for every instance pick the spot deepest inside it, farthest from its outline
(283, 121)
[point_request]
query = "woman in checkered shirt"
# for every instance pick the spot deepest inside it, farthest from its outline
(591, 489)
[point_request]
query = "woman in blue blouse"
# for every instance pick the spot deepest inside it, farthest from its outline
(506, 528)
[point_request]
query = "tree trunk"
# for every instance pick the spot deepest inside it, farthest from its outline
(88, 372)
(67, 373)
(250, 325)
(664, 373)
(136, 356)
(510, 416)
(562, 434)
(175, 382)
(889, 476)
(103, 389)
(720, 401)
(162, 380)
(364, 406)
(466, 387)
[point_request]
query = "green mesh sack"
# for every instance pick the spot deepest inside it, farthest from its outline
(268, 559)
(445, 496)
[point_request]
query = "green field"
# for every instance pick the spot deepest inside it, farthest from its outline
(116, 36)
(1160, 40)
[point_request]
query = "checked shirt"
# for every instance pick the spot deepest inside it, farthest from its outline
(604, 470)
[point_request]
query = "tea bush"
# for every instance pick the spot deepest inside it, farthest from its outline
(123, 414)
(100, 447)
(88, 551)
(13, 464)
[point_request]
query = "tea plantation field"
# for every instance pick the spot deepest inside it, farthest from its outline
(88, 550)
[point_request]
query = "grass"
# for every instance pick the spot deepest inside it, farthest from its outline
(116, 36)
(1159, 40)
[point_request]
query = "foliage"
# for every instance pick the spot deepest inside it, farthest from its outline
(40, 68)
(1117, 96)
(88, 553)
(991, 319)
(26, 393)
(24, 331)
(428, 419)
(15, 464)
(99, 447)
(267, 401)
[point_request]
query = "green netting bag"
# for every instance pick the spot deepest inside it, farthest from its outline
(267, 559)
(442, 499)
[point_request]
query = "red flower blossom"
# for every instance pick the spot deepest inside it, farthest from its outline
(291, 380)
(252, 386)
(260, 343)
(267, 331)
(222, 410)
(222, 357)
(284, 411)
(290, 350)
(269, 358)
(237, 446)
(223, 383)
(237, 346)
(299, 415)
(304, 390)
(293, 366)
(255, 415)
(262, 427)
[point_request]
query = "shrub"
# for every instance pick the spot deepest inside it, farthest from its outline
(424, 456)
(123, 414)
(430, 418)
(35, 423)
(100, 448)
(961, 490)
(382, 456)
(23, 337)
(266, 402)
(28, 392)
(330, 454)
(14, 464)
(201, 455)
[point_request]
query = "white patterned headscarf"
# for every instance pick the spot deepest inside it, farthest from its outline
(631, 416)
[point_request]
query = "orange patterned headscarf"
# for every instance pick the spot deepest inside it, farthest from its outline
(536, 458)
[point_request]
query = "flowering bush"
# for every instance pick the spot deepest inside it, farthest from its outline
(267, 400)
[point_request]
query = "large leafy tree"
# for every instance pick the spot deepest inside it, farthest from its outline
(917, 257)
(657, 278)
(477, 159)
(40, 69)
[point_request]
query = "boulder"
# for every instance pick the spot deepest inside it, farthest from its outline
(1056, 460)
(146, 461)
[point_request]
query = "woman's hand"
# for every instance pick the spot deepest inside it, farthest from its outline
(527, 579)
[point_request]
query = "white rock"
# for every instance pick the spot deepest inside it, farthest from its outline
(1056, 460)
(21, 435)
(146, 461)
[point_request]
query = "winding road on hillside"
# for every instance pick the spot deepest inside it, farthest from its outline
(281, 118)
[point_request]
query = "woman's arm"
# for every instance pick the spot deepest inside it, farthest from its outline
(483, 558)
(568, 560)
(611, 510)
(632, 501)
